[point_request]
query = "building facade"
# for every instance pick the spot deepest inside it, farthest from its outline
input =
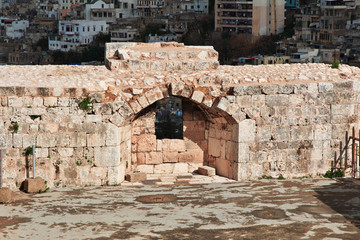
(76, 33)
(256, 17)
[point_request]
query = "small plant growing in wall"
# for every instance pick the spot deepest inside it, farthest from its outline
(335, 65)
(78, 163)
(28, 151)
(85, 104)
(14, 127)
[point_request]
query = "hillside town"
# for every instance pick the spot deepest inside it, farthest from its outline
(242, 31)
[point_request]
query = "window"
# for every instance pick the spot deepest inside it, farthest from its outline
(169, 120)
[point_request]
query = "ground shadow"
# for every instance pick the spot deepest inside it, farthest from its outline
(343, 196)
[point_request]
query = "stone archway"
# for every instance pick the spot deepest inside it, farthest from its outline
(210, 137)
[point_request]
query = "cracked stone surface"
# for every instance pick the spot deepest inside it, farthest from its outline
(264, 209)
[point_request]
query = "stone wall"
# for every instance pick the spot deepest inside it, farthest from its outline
(246, 122)
(73, 146)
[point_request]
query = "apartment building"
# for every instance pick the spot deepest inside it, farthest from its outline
(327, 22)
(150, 8)
(256, 17)
(75, 33)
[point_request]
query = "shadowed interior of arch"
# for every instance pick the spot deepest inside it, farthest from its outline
(198, 136)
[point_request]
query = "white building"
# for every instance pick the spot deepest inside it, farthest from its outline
(100, 10)
(126, 8)
(124, 34)
(76, 33)
(17, 29)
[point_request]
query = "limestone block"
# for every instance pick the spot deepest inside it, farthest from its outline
(201, 65)
(28, 140)
(223, 104)
(174, 65)
(214, 149)
(146, 143)
(145, 168)
(316, 154)
(180, 168)
(346, 110)
(134, 64)
(198, 96)
(322, 132)
(95, 139)
(192, 156)
(277, 100)
(141, 157)
(135, 177)
(159, 145)
(243, 153)
(15, 102)
(231, 150)
(161, 55)
(165, 168)
(270, 89)
(286, 89)
(77, 139)
(66, 152)
(301, 133)
(17, 140)
(170, 157)
(157, 66)
(149, 81)
(42, 152)
(252, 90)
(34, 185)
(93, 118)
(117, 119)
(143, 101)
(38, 101)
(222, 167)
(296, 99)
(173, 145)
(155, 158)
(50, 101)
(107, 156)
(51, 127)
(103, 108)
(325, 87)
(112, 136)
(116, 174)
(46, 140)
(188, 66)
(257, 101)
(246, 131)
(154, 95)
(263, 133)
(5, 195)
(63, 102)
(239, 90)
(177, 88)
(207, 171)
(281, 133)
(137, 91)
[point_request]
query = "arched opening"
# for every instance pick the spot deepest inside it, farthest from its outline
(208, 137)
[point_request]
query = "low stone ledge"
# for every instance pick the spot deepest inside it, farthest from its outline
(207, 171)
(135, 177)
(5, 195)
(34, 185)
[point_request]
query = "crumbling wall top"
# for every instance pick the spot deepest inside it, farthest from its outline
(160, 57)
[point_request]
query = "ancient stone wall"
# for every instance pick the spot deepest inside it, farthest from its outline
(246, 122)
(73, 146)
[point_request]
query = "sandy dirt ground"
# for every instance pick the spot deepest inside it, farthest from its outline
(264, 209)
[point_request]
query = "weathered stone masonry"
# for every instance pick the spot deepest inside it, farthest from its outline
(244, 121)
